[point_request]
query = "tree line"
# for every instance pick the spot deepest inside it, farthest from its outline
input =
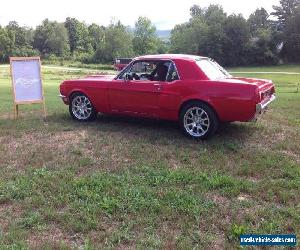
(264, 38)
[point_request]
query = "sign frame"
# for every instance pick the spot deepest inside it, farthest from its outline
(37, 101)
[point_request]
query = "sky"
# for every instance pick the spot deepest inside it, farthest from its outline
(163, 13)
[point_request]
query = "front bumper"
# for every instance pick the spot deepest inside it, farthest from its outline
(64, 98)
(261, 107)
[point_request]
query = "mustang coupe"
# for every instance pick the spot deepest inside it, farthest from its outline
(195, 91)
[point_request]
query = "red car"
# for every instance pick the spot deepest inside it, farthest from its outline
(195, 91)
(121, 63)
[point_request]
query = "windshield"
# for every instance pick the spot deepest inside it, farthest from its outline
(212, 69)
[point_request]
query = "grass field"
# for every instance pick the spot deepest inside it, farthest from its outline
(130, 183)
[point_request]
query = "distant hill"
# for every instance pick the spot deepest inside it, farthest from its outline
(164, 34)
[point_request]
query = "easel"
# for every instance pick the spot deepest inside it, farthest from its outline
(40, 100)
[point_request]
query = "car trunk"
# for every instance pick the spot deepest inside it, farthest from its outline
(265, 87)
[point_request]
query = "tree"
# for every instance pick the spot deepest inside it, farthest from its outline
(288, 14)
(236, 40)
(17, 34)
(291, 35)
(117, 43)
(259, 20)
(78, 34)
(203, 34)
(215, 18)
(6, 45)
(51, 38)
(97, 36)
(189, 37)
(286, 10)
(227, 39)
(196, 11)
(145, 40)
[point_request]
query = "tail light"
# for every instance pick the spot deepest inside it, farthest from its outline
(266, 93)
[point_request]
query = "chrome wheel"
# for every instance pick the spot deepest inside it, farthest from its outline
(196, 122)
(81, 107)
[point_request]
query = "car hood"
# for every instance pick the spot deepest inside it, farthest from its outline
(99, 77)
(91, 78)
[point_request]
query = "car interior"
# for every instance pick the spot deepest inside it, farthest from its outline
(151, 71)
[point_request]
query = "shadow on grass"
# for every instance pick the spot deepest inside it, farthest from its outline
(154, 130)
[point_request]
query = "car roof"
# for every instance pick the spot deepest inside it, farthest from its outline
(169, 57)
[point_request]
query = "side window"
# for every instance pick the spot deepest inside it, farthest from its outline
(142, 68)
(173, 74)
(147, 71)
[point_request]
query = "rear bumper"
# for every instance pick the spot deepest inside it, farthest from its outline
(261, 107)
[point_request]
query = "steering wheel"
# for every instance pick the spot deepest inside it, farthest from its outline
(145, 75)
(135, 76)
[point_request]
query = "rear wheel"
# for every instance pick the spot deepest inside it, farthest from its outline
(81, 108)
(198, 120)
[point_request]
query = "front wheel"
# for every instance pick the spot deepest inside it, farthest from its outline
(198, 120)
(81, 108)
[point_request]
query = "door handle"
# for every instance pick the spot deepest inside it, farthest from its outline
(157, 85)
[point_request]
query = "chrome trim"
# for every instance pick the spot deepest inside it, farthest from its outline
(179, 78)
(81, 107)
(61, 96)
(167, 76)
(260, 107)
(196, 122)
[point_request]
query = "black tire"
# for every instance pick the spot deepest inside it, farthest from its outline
(87, 113)
(198, 128)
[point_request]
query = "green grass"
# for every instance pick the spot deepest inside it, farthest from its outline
(76, 64)
(280, 68)
(133, 183)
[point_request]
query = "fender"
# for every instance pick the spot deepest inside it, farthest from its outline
(198, 97)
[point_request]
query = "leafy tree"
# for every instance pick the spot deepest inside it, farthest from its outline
(145, 40)
(6, 45)
(237, 35)
(286, 10)
(291, 35)
(25, 52)
(162, 46)
(78, 36)
(51, 37)
(259, 20)
(203, 34)
(215, 18)
(17, 34)
(178, 39)
(288, 24)
(118, 43)
(231, 40)
(214, 14)
(262, 49)
(196, 11)
(97, 36)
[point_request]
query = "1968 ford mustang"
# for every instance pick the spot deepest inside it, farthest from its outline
(195, 91)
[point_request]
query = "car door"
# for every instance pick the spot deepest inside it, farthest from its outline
(135, 96)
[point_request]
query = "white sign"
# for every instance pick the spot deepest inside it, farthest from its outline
(27, 82)
(26, 79)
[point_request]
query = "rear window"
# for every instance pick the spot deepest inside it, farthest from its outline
(212, 69)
